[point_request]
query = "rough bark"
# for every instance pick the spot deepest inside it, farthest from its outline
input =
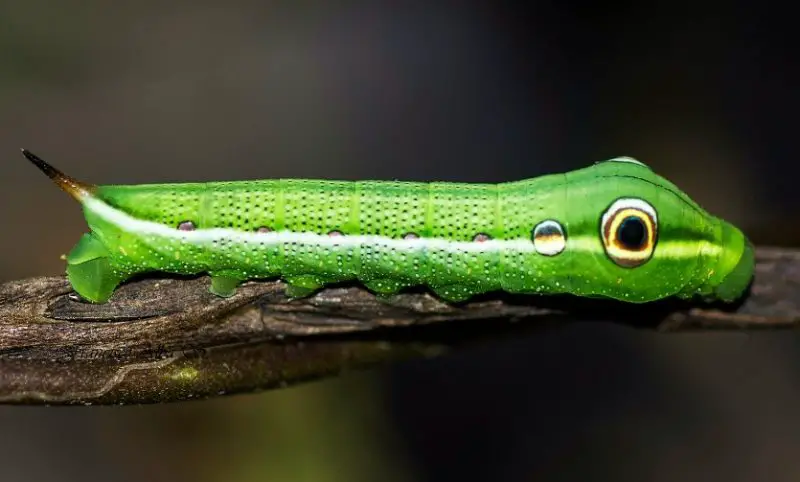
(162, 340)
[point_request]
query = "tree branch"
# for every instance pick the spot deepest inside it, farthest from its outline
(169, 339)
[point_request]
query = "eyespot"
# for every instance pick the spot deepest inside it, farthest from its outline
(548, 238)
(629, 229)
(481, 238)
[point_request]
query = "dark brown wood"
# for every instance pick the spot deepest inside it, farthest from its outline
(161, 340)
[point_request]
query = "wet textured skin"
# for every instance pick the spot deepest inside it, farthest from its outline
(457, 239)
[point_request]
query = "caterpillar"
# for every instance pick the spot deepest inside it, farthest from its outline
(614, 230)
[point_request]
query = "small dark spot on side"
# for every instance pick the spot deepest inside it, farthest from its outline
(186, 226)
(481, 238)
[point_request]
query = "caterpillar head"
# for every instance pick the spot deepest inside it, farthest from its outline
(635, 236)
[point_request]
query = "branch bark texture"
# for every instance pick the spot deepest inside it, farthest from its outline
(161, 340)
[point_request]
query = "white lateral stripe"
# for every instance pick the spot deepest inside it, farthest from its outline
(128, 223)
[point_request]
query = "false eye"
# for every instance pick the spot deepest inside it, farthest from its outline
(629, 229)
(548, 238)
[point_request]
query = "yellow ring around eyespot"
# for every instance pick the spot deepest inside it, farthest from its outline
(619, 253)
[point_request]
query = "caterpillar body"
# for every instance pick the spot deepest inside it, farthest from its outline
(614, 229)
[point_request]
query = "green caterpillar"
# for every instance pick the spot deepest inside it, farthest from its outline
(614, 230)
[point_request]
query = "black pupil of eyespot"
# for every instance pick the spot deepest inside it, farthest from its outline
(632, 232)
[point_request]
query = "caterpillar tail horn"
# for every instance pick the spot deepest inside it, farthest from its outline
(89, 266)
(77, 189)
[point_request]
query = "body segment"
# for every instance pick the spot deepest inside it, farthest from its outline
(614, 229)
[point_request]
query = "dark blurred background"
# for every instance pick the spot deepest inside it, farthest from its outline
(704, 92)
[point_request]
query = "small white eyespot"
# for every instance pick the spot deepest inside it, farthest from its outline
(548, 238)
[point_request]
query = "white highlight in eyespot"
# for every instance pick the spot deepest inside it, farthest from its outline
(548, 238)
(630, 203)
